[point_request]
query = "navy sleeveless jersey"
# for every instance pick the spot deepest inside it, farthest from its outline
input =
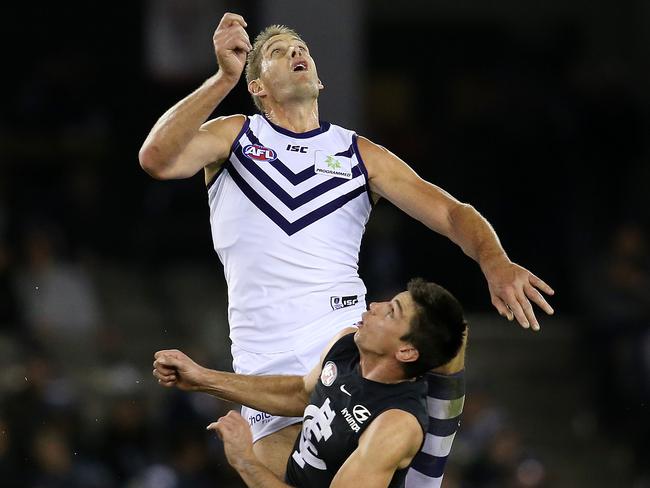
(341, 407)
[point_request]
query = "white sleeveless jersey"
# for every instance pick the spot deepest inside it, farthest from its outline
(288, 211)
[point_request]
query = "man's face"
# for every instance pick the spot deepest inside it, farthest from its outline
(287, 70)
(384, 323)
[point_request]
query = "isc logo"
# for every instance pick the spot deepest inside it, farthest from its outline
(260, 153)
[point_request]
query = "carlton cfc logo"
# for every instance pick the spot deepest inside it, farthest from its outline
(260, 153)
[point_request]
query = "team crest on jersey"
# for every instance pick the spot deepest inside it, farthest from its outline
(328, 375)
(258, 152)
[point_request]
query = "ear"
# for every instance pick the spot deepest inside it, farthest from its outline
(407, 353)
(256, 88)
(320, 85)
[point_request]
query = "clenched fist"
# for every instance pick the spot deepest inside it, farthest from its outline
(174, 368)
(231, 45)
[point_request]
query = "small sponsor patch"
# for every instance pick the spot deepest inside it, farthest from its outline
(360, 413)
(337, 166)
(328, 375)
(258, 152)
(342, 302)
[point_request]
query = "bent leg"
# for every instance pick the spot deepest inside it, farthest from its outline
(274, 449)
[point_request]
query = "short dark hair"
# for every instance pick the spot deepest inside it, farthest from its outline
(437, 328)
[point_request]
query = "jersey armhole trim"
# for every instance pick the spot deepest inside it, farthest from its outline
(233, 146)
(362, 165)
(423, 427)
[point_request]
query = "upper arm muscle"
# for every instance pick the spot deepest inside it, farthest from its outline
(393, 179)
(389, 444)
(209, 147)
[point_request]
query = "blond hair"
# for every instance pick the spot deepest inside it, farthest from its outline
(254, 63)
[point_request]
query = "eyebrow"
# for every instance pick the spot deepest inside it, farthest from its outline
(284, 40)
(399, 305)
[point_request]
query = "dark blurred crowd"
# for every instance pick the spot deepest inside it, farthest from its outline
(100, 266)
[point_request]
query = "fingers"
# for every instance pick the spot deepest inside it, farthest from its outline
(241, 45)
(538, 283)
(518, 311)
(502, 308)
(228, 36)
(229, 19)
(536, 296)
(529, 313)
(226, 424)
(164, 367)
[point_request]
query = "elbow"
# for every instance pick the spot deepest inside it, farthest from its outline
(152, 162)
(458, 212)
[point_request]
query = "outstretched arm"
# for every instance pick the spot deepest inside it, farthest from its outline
(276, 394)
(180, 143)
(511, 286)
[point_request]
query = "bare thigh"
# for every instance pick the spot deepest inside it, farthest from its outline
(274, 449)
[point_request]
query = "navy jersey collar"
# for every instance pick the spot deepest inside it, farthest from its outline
(324, 127)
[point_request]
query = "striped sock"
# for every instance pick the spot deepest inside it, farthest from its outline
(444, 404)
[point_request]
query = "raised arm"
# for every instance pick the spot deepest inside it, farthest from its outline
(180, 143)
(511, 286)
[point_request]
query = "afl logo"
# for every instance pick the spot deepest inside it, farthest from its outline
(260, 153)
(328, 375)
(360, 413)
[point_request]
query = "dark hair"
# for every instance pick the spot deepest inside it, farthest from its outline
(437, 328)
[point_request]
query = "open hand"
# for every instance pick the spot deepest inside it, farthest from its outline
(512, 288)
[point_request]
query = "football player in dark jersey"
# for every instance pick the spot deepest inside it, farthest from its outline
(363, 406)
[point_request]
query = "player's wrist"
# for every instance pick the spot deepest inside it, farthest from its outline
(491, 261)
(223, 79)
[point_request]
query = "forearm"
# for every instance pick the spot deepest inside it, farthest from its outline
(256, 475)
(276, 395)
(175, 128)
(475, 236)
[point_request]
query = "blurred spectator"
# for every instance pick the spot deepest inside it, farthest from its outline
(127, 444)
(58, 298)
(616, 290)
(489, 451)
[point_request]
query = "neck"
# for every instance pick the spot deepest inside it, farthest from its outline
(381, 369)
(296, 117)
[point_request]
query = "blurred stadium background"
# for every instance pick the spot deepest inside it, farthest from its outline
(537, 113)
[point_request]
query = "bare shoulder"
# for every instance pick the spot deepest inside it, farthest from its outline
(395, 420)
(371, 153)
(395, 428)
(379, 161)
(227, 123)
(225, 129)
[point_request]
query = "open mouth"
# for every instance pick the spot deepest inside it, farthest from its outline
(300, 66)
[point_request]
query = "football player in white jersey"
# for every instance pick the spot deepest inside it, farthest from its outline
(260, 196)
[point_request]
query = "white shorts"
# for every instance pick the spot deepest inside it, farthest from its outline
(298, 362)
